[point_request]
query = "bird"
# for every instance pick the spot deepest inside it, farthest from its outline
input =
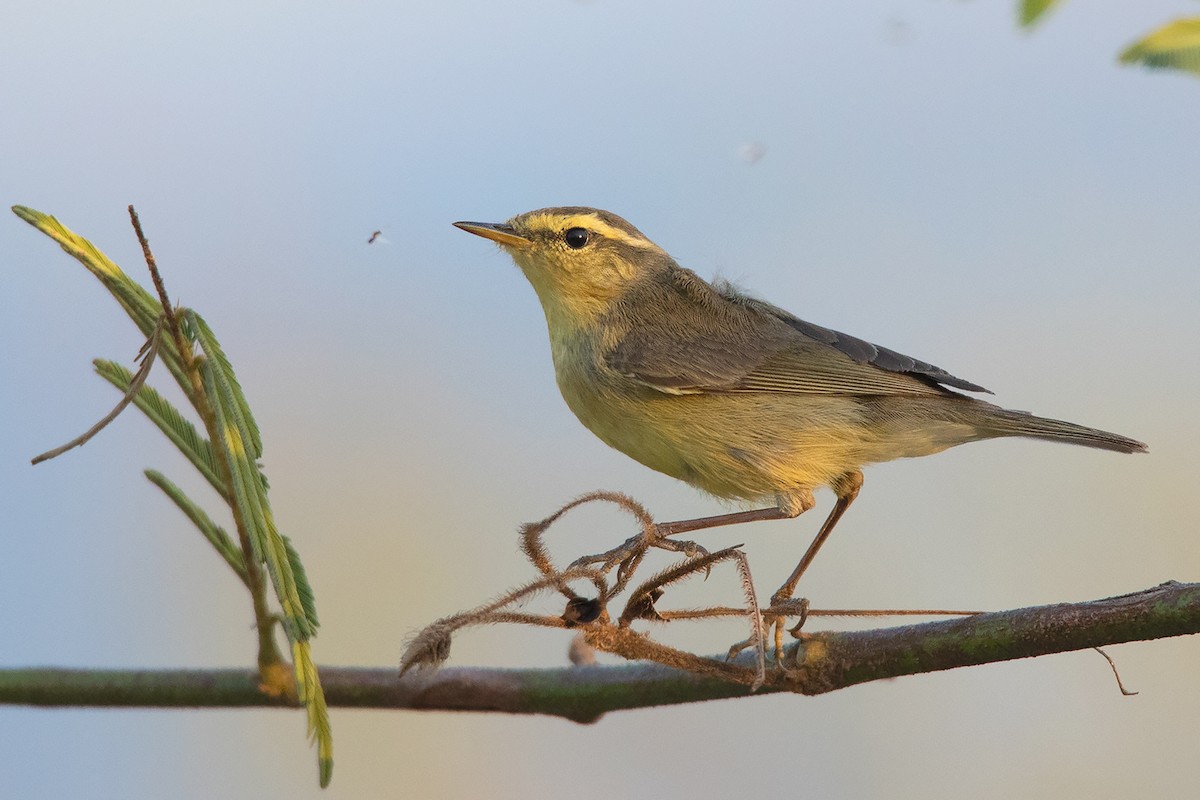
(732, 394)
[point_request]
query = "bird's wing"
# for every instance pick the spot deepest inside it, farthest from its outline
(863, 353)
(703, 339)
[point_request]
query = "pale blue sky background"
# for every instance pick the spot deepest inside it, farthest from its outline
(1013, 207)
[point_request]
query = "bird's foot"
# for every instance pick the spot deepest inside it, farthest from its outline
(780, 609)
(634, 548)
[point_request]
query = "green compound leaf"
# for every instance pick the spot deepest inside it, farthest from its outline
(237, 448)
(182, 433)
(303, 587)
(249, 489)
(1030, 11)
(313, 697)
(249, 497)
(205, 337)
(215, 534)
(1176, 45)
(236, 442)
(137, 302)
(141, 307)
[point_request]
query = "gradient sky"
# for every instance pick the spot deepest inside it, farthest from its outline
(1012, 206)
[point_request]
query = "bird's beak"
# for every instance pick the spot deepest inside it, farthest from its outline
(500, 234)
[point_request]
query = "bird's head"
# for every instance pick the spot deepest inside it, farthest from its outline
(579, 260)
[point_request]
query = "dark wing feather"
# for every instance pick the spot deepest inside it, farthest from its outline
(864, 352)
(705, 339)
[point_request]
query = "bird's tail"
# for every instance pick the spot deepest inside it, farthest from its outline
(1022, 423)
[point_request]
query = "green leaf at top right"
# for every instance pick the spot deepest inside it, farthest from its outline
(1175, 45)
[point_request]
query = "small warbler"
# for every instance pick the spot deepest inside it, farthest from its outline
(727, 392)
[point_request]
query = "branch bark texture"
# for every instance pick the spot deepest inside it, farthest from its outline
(820, 662)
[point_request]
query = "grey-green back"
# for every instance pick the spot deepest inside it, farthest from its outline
(701, 338)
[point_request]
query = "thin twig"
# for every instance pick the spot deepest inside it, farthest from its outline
(1117, 675)
(149, 353)
(737, 611)
(756, 620)
(641, 599)
(887, 612)
(430, 646)
(535, 549)
(159, 286)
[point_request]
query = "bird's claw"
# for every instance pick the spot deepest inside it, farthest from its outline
(688, 548)
(632, 548)
(622, 552)
(738, 647)
(782, 607)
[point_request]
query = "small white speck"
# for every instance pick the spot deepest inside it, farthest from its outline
(752, 152)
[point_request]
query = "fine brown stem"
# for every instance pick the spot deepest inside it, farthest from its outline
(159, 286)
(149, 353)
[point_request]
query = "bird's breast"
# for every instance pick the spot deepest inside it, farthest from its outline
(740, 446)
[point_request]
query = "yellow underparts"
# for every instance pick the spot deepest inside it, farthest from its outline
(751, 446)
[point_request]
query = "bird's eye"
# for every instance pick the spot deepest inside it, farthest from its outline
(576, 237)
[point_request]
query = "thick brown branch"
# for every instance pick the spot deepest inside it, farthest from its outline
(826, 661)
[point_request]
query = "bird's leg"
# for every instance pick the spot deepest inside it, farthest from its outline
(737, 517)
(657, 534)
(788, 506)
(846, 488)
